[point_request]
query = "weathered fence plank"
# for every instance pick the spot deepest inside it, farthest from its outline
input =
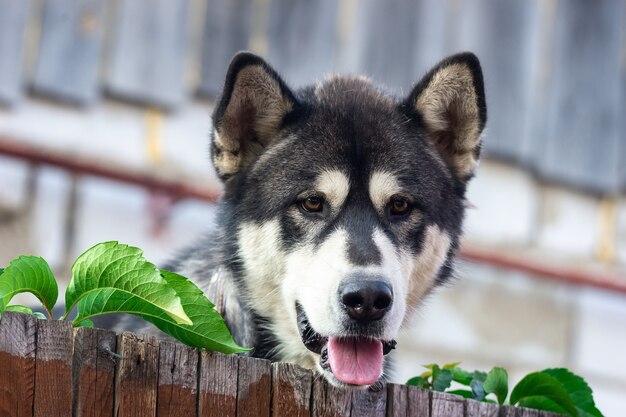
(217, 395)
(366, 403)
(329, 401)
(254, 385)
(149, 52)
(291, 390)
(583, 115)
(13, 16)
(94, 372)
(479, 409)
(407, 401)
(136, 377)
(302, 26)
(178, 380)
(18, 343)
(504, 35)
(385, 41)
(50, 369)
(397, 401)
(53, 369)
(227, 30)
(72, 35)
(446, 405)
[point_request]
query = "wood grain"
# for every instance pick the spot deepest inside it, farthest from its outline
(136, 376)
(418, 402)
(366, 403)
(94, 372)
(49, 369)
(446, 405)
(397, 400)
(53, 369)
(178, 380)
(254, 387)
(17, 364)
(217, 395)
(479, 409)
(13, 23)
(329, 401)
(291, 390)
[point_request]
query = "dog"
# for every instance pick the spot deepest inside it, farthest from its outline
(342, 210)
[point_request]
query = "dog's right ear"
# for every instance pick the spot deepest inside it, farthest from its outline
(249, 114)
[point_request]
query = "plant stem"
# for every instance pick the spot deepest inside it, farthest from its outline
(48, 311)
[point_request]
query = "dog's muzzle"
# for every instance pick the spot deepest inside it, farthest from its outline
(352, 359)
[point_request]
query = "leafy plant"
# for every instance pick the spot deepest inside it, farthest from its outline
(557, 390)
(115, 278)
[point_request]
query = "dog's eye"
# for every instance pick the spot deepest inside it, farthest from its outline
(399, 206)
(312, 204)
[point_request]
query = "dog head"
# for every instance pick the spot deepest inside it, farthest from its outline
(345, 204)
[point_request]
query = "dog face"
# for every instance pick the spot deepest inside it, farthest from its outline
(345, 204)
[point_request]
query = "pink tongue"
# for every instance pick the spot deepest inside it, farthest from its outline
(357, 361)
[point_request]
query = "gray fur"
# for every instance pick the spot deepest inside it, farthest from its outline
(270, 146)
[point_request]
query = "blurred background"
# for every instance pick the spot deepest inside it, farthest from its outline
(104, 126)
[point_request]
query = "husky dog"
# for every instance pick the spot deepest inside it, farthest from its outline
(342, 210)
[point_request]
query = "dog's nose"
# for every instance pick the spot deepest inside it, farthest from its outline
(366, 301)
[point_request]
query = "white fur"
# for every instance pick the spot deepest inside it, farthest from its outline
(335, 186)
(426, 264)
(313, 278)
(264, 263)
(382, 186)
(311, 275)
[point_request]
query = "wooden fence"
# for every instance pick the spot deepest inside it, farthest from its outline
(47, 368)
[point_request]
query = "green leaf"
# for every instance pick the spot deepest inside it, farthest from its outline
(451, 365)
(27, 310)
(538, 390)
(577, 389)
(85, 323)
(419, 381)
(478, 390)
(207, 330)
(19, 309)
(462, 392)
(461, 376)
(442, 378)
(1, 271)
(543, 403)
(497, 382)
(112, 277)
(28, 274)
(479, 376)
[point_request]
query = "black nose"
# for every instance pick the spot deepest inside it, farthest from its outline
(366, 301)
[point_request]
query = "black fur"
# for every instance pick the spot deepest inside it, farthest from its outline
(346, 124)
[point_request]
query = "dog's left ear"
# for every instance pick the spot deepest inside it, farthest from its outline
(450, 101)
(249, 114)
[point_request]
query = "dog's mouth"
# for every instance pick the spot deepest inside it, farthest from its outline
(352, 359)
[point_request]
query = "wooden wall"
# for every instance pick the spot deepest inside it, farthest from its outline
(555, 70)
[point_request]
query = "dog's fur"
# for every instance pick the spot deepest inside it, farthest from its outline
(356, 151)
